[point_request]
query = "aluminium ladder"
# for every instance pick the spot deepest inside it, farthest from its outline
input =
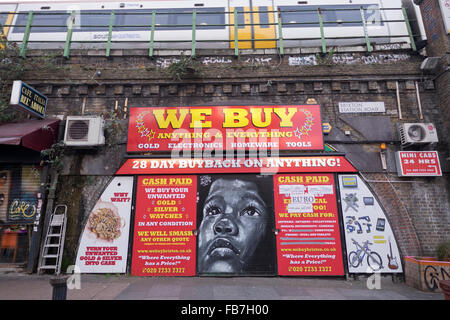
(51, 256)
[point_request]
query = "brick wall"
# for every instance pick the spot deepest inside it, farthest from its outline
(438, 45)
(418, 212)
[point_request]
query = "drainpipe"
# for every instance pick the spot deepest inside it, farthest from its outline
(418, 101)
(37, 229)
(399, 106)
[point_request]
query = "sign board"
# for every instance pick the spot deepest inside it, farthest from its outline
(418, 163)
(164, 243)
(284, 127)
(370, 241)
(361, 107)
(237, 165)
(103, 246)
(445, 9)
(235, 225)
(306, 215)
(27, 99)
(326, 127)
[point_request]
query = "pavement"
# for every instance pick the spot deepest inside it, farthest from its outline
(22, 286)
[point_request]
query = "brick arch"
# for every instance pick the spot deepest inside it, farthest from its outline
(397, 214)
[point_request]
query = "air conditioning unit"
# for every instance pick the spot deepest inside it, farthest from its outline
(84, 131)
(417, 133)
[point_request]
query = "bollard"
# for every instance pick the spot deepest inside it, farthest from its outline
(59, 285)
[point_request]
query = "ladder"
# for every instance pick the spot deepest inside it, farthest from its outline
(51, 256)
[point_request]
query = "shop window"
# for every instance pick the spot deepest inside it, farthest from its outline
(14, 243)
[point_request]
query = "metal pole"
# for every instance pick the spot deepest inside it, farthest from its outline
(69, 35)
(418, 100)
(59, 285)
(236, 42)
(408, 26)
(152, 34)
(194, 24)
(37, 226)
(322, 33)
(366, 32)
(280, 32)
(398, 101)
(26, 35)
(111, 23)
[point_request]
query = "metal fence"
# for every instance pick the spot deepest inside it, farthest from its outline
(152, 28)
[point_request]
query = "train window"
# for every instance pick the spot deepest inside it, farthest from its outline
(205, 18)
(240, 17)
(264, 17)
(291, 16)
(98, 20)
(168, 17)
(215, 16)
(333, 15)
(94, 20)
(133, 21)
(3, 17)
(50, 21)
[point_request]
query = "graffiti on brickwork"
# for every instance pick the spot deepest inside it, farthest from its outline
(433, 274)
(309, 60)
(256, 61)
(216, 60)
(350, 58)
(165, 62)
(390, 46)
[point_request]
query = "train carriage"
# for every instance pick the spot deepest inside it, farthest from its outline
(260, 23)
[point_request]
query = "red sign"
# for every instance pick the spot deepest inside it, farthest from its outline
(306, 215)
(418, 163)
(236, 165)
(225, 128)
(164, 243)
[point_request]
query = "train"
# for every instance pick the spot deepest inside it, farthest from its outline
(247, 24)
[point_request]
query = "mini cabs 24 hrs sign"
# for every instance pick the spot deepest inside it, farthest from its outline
(418, 164)
(297, 127)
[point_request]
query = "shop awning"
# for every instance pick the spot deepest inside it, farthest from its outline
(32, 134)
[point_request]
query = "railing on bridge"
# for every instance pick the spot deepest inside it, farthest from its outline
(152, 29)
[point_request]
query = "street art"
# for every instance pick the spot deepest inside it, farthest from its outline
(103, 246)
(433, 274)
(236, 222)
(306, 214)
(19, 187)
(371, 245)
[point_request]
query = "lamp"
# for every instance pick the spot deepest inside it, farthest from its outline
(383, 156)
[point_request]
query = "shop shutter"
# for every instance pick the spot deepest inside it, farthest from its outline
(19, 186)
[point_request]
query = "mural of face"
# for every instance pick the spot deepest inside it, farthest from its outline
(234, 222)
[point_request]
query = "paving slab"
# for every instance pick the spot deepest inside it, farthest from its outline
(124, 287)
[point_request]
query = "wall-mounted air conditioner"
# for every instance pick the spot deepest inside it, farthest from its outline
(84, 131)
(417, 133)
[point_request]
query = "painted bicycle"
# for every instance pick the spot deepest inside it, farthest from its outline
(356, 258)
